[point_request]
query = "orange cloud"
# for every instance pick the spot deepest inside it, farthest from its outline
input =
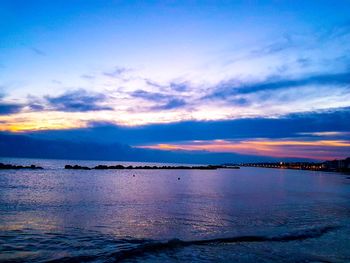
(321, 149)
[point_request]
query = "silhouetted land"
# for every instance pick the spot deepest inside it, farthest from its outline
(328, 166)
(146, 167)
(17, 167)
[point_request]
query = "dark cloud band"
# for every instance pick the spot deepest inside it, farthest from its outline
(78, 101)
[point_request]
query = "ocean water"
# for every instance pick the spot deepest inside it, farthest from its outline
(246, 215)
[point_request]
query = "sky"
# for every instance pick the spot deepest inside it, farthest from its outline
(252, 78)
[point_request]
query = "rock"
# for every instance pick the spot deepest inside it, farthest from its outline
(18, 167)
(145, 167)
(76, 167)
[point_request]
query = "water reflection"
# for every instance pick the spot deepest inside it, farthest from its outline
(57, 211)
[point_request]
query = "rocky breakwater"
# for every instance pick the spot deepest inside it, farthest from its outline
(146, 167)
(18, 167)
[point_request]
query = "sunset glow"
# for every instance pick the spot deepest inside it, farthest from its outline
(326, 149)
(174, 131)
(161, 75)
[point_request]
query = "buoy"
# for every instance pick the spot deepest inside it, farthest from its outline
(178, 178)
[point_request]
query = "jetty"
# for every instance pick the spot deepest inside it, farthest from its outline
(148, 167)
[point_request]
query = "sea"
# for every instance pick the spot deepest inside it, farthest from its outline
(223, 215)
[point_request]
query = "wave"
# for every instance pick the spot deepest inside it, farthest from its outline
(177, 243)
(155, 247)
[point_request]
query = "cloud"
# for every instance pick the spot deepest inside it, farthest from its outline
(55, 81)
(317, 135)
(284, 43)
(35, 103)
(87, 76)
(116, 72)
(171, 104)
(163, 101)
(154, 84)
(239, 101)
(179, 87)
(337, 31)
(78, 101)
(150, 96)
(275, 47)
(231, 88)
(36, 107)
(304, 62)
(326, 134)
(9, 108)
(37, 51)
(320, 149)
(290, 126)
(25, 146)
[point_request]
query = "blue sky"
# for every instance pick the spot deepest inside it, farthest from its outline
(67, 65)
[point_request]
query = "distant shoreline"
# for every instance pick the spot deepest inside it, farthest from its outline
(147, 167)
(342, 166)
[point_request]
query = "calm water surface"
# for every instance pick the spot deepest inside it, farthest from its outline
(246, 215)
